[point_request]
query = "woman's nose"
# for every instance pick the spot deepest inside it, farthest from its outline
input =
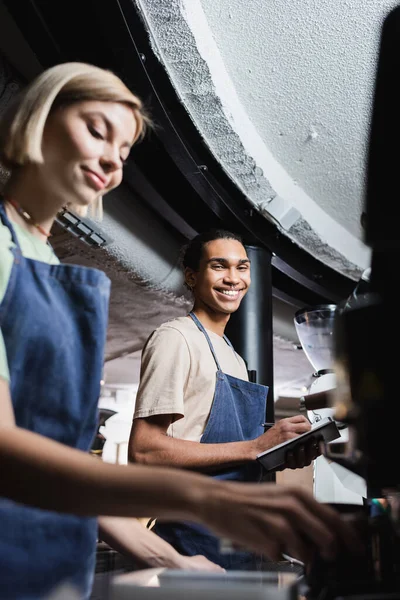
(111, 160)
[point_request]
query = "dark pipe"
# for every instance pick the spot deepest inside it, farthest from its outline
(250, 328)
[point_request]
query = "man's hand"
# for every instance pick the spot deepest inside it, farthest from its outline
(284, 430)
(302, 456)
(289, 429)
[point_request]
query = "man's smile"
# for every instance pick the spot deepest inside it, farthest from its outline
(229, 293)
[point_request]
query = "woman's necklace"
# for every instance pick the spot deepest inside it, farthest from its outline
(27, 217)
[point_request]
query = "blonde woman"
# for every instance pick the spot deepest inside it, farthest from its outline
(65, 142)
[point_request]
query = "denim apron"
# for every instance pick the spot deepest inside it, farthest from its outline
(53, 319)
(237, 415)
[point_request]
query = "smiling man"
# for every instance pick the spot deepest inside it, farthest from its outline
(195, 408)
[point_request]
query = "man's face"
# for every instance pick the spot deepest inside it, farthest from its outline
(223, 277)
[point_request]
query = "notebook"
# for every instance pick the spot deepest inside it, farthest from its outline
(325, 430)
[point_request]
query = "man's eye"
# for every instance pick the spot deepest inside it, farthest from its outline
(95, 133)
(219, 267)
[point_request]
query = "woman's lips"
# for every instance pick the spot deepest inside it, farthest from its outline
(94, 180)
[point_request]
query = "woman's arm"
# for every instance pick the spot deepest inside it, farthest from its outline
(264, 518)
(7, 418)
(41, 472)
(131, 538)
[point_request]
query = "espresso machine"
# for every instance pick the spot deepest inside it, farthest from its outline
(366, 363)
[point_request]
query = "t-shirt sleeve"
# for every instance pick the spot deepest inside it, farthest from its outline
(6, 262)
(164, 375)
(4, 372)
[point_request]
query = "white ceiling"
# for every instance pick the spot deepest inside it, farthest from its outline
(281, 92)
(305, 78)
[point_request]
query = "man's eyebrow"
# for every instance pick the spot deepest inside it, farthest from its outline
(242, 261)
(109, 125)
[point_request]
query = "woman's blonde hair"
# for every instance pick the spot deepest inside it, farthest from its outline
(23, 123)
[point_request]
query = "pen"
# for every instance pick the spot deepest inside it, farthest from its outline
(267, 425)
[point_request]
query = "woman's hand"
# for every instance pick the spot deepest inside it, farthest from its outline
(270, 519)
(264, 518)
(195, 563)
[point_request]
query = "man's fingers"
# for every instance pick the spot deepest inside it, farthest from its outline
(296, 459)
(290, 435)
(298, 428)
(297, 419)
(300, 456)
(312, 451)
(290, 461)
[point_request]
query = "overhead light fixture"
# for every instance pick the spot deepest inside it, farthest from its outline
(281, 211)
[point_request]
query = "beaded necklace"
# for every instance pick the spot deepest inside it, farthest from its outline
(27, 217)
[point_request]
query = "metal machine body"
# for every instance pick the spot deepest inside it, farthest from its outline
(367, 365)
(164, 584)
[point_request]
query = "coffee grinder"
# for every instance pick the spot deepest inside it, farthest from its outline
(332, 482)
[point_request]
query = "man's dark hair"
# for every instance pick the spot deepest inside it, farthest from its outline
(193, 251)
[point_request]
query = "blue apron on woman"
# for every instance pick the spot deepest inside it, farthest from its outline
(53, 319)
(237, 415)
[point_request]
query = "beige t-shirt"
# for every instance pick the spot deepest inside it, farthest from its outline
(178, 376)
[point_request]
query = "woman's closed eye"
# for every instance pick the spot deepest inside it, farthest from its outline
(95, 132)
(99, 135)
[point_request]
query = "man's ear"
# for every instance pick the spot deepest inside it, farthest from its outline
(190, 277)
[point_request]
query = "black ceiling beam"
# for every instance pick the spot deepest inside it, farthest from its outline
(173, 158)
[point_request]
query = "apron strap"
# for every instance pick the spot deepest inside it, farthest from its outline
(6, 221)
(229, 342)
(200, 326)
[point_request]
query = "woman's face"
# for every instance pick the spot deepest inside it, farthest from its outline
(84, 148)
